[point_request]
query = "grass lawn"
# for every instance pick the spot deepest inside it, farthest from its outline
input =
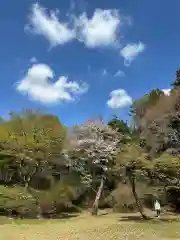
(86, 227)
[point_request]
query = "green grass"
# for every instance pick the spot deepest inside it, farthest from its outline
(86, 227)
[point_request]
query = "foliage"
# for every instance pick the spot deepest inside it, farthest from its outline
(140, 106)
(168, 168)
(123, 198)
(119, 125)
(162, 125)
(94, 148)
(134, 158)
(176, 83)
(173, 197)
(16, 199)
(32, 140)
(122, 127)
(56, 167)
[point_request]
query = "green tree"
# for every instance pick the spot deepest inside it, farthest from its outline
(167, 169)
(176, 83)
(121, 126)
(33, 141)
(132, 160)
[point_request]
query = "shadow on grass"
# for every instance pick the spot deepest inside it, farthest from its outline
(64, 216)
(31, 220)
(151, 219)
(102, 214)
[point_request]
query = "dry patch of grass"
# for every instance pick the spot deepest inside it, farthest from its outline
(85, 227)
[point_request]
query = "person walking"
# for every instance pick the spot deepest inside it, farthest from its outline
(157, 208)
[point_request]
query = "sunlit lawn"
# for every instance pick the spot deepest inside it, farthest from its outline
(85, 227)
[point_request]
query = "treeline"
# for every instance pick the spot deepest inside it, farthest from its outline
(47, 168)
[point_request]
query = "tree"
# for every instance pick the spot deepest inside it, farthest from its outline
(133, 160)
(176, 83)
(33, 140)
(167, 172)
(119, 125)
(94, 148)
(122, 128)
(162, 124)
(161, 121)
(167, 169)
(142, 105)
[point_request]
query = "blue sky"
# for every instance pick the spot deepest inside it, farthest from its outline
(84, 59)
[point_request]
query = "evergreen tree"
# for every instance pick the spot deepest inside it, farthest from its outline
(176, 83)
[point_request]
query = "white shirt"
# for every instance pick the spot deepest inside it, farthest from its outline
(157, 205)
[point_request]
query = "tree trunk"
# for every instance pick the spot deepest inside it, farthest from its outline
(39, 214)
(98, 195)
(138, 202)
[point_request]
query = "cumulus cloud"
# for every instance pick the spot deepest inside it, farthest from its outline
(37, 86)
(49, 26)
(167, 91)
(131, 51)
(119, 73)
(119, 99)
(100, 30)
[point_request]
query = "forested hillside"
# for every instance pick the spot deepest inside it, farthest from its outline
(47, 168)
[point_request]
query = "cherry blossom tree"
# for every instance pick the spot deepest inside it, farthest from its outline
(93, 146)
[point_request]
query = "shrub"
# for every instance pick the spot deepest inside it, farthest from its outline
(123, 198)
(58, 199)
(17, 201)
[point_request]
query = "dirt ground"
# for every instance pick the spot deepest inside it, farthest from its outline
(85, 227)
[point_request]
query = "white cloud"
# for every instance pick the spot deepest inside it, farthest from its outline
(37, 86)
(119, 99)
(166, 91)
(119, 73)
(48, 25)
(100, 30)
(33, 60)
(131, 51)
